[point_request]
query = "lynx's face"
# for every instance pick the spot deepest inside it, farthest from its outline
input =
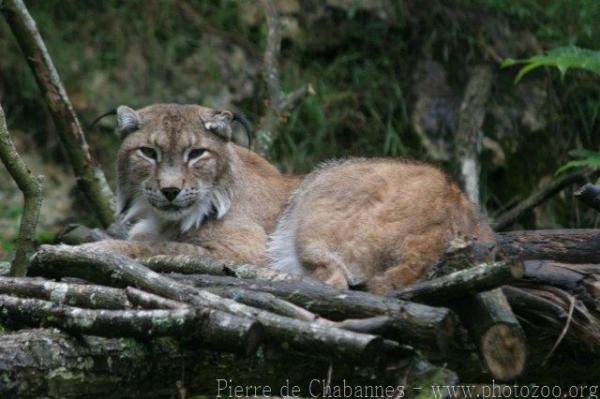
(174, 164)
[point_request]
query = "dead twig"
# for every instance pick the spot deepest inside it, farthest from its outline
(564, 330)
(539, 196)
(31, 187)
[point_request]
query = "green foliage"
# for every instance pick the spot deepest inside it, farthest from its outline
(586, 159)
(562, 58)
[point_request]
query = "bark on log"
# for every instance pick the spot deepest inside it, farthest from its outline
(90, 177)
(48, 363)
(147, 300)
(80, 295)
(109, 268)
(410, 323)
(31, 187)
(213, 329)
(270, 302)
(568, 245)
(496, 331)
(461, 283)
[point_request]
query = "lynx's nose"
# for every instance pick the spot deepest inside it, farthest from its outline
(170, 192)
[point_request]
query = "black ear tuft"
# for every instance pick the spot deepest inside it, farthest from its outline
(95, 121)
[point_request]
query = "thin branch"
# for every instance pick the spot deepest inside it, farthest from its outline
(537, 197)
(31, 187)
(279, 103)
(90, 177)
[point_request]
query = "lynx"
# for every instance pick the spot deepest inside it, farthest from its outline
(186, 187)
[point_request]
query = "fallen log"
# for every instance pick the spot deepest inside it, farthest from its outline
(108, 268)
(455, 285)
(48, 363)
(568, 245)
(80, 295)
(213, 329)
(410, 323)
(496, 331)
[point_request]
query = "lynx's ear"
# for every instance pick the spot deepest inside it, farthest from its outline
(220, 125)
(128, 121)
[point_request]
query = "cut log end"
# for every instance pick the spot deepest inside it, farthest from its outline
(504, 351)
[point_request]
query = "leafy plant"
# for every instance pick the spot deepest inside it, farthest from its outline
(586, 159)
(565, 58)
(562, 58)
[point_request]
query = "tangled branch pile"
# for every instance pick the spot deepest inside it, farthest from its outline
(167, 324)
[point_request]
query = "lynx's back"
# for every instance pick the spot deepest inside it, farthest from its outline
(377, 223)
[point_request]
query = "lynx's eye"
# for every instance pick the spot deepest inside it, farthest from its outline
(196, 153)
(149, 153)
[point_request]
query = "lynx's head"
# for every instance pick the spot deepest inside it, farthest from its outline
(174, 165)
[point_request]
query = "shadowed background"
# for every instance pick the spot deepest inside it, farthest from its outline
(388, 76)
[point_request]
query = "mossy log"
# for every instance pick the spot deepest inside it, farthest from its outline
(211, 328)
(48, 363)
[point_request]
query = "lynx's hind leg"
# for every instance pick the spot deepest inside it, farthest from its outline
(324, 264)
(416, 255)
